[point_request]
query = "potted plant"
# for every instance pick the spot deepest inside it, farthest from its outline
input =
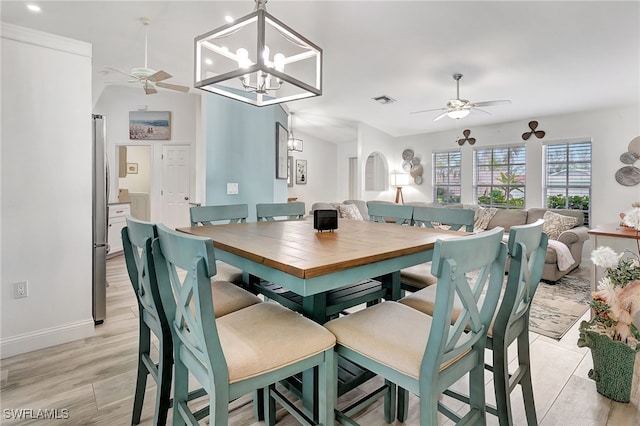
(612, 334)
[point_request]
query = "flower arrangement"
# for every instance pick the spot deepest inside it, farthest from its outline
(618, 297)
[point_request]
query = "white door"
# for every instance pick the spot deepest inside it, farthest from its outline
(176, 172)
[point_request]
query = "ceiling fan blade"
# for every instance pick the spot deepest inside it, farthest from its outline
(427, 110)
(177, 87)
(121, 72)
(481, 110)
(159, 76)
(444, 114)
(491, 103)
(149, 89)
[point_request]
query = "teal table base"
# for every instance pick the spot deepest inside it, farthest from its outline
(613, 364)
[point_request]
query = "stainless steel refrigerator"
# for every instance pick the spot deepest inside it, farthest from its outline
(100, 201)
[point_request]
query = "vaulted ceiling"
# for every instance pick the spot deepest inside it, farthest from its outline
(546, 57)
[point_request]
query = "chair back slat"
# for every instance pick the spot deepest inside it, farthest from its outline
(136, 240)
(380, 212)
(527, 250)
(208, 215)
(195, 329)
(272, 211)
(433, 216)
(452, 260)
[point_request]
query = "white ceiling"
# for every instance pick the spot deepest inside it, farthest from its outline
(546, 57)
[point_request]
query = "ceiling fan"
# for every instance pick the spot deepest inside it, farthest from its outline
(147, 76)
(459, 108)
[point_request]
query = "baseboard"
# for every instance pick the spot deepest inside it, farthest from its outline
(45, 338)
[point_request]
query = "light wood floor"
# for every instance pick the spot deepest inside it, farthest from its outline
(94, 378)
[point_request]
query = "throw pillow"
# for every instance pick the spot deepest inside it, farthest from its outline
(349, 211)
(555, 224)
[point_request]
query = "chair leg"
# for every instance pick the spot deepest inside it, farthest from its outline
(477, 399)
(327, 388)
(501, 380)
(269, 406)
(163, 394)
(525, 381)
(258, 404)
(403, 404)
(428, 407)
(181, 390)
(144, 345)
(390, 402)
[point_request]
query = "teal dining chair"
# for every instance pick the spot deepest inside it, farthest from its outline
(238, 353)
(221, 214)
(136, 238)
(273, 211)
(417, 277)
(527, 248)
(226, 213)
(427, 354)
(383, 212)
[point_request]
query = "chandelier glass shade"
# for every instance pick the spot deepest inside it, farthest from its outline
(259, 60)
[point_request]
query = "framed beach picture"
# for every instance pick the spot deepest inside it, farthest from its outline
(301, 172)
(281, 151)
(150, 125)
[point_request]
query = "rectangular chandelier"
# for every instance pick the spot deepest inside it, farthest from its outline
(258, 60)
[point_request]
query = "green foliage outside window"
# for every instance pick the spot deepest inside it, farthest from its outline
(574, 202)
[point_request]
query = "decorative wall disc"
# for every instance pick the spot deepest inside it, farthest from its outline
(628, 176)
(417, 180)
(634, 146)
(406, 166)
(416, 171)
(407, 154)
(629, 157)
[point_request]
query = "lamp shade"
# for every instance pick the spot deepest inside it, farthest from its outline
(259, 60)
(294, 144)
(399, 179)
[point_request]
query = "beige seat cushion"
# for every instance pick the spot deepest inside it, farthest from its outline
(228, 297)
(226, 272)
(418, 276)
(265, 337)
(390, 333)
(424, 301)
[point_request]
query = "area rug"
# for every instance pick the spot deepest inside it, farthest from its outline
(557, 307)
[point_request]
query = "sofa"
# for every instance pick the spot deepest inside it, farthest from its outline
(573, 238)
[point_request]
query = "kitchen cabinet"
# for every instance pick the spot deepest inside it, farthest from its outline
(118, 213)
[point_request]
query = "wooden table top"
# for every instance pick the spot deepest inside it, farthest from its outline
(615, 230)
(295, 248)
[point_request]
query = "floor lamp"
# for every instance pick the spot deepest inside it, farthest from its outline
(399, 180)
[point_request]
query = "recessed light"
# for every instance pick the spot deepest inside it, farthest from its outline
(34, 8)
(229, 19)
(208, 61)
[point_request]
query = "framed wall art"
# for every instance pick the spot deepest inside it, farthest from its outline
(132, 168)
(150, 125)
(281, 151)
(301, 172)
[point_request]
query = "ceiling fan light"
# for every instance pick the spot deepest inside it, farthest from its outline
(458, 113)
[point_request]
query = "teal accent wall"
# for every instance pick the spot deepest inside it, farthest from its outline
(240, 142)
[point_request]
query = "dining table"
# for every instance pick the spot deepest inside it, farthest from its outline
(311, 263)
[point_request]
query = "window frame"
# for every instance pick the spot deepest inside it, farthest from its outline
(447, 167)
(569, 164)
(507, 188)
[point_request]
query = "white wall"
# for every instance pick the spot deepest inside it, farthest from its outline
(46, 190)
(609, 130)
(116, 102)
(371, 140)
(346, 150)
(322, 171)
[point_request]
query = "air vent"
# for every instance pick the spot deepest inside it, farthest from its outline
(384, 99)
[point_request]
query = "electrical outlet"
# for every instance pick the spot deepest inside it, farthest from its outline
(232, 188)
(21, 289)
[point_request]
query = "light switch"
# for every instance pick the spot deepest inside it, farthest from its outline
(232, 188)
